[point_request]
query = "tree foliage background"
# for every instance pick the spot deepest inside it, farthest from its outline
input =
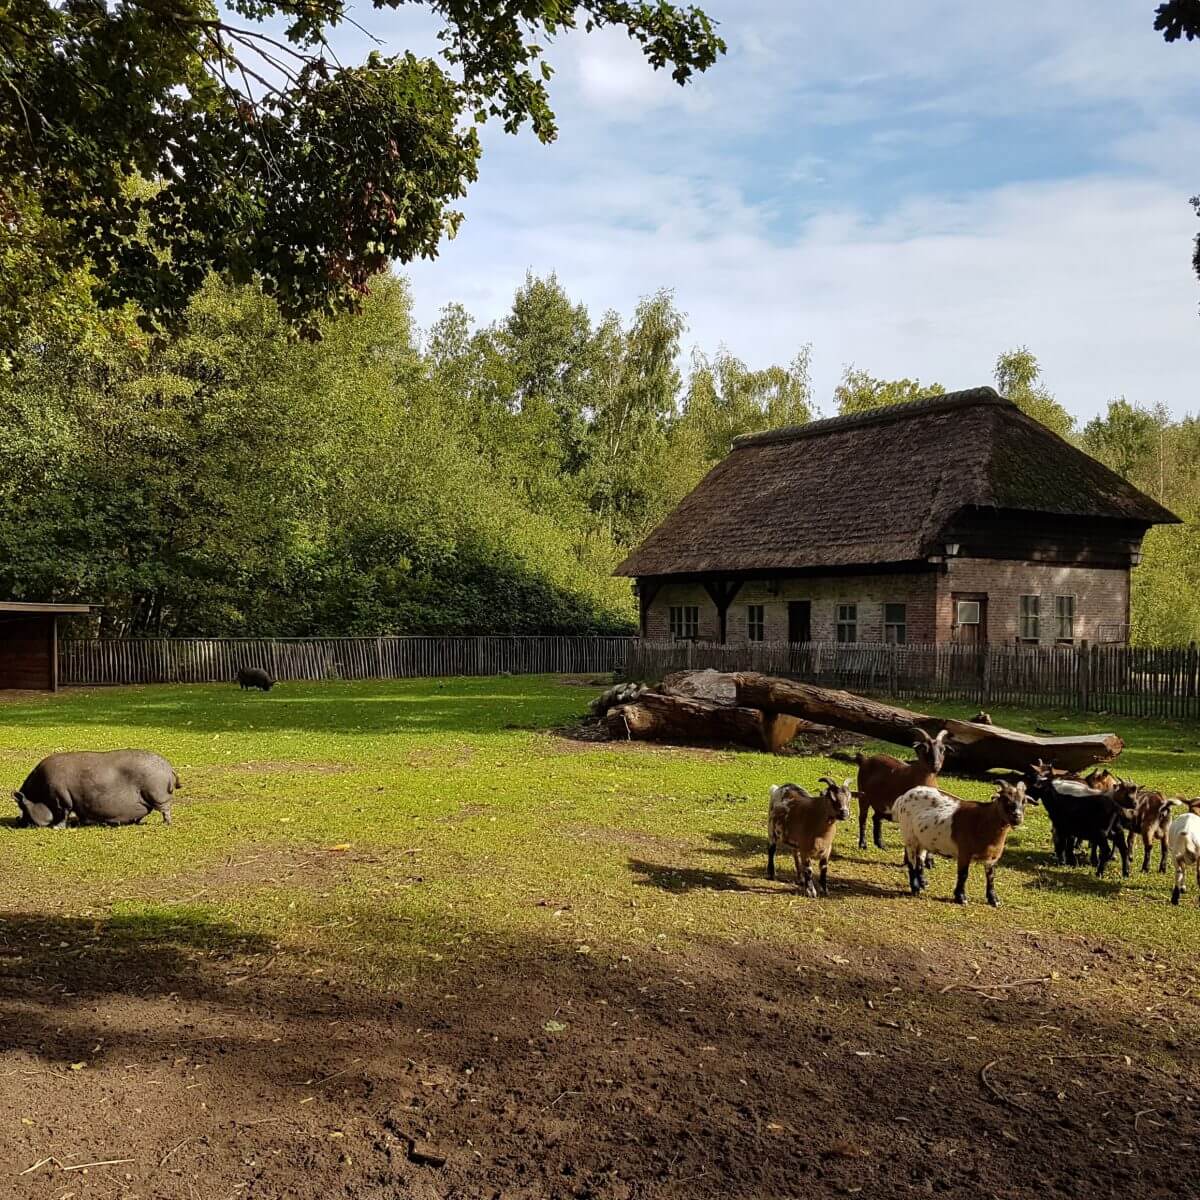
(232, 479)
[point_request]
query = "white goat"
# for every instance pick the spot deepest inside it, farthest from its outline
(1183, 843)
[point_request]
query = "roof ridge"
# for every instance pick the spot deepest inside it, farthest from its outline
(966, 398)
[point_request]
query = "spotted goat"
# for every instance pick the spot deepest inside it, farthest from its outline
(931, 820)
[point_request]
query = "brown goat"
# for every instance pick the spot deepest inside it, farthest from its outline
(806, 824)
(882, 779)
(1151, 820)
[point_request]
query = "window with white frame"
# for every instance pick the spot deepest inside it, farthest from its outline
(756, 622)
(1064, 618)
(970, 612)
(685, 622)
(895, 623)
(1029, 613)
(847, 622)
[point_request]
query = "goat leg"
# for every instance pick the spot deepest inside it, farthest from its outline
(912, 861)
(810, 887)
(1178, 890)
(1123, 849)
(877, 830)
(1162, 860)
(863, 808)
(1147, 846)
(770, 860)
(1106, 852)
(823, 887)
(960, 887)
(992, 898)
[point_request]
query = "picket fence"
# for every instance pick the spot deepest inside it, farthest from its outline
(213, 660)
(1125, 680)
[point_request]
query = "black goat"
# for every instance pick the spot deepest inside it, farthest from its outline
(1079, 813)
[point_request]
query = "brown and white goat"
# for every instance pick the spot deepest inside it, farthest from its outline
(882, 779)
(1151, 820)
(806, 824)
(965, 830)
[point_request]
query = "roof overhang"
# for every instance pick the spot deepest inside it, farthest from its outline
(21, 606)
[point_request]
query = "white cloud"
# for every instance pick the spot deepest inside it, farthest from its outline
(1092, 274)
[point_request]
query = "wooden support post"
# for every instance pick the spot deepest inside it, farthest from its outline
(1085, 675)
(721, 592)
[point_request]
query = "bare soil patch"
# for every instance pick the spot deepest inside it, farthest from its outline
(204, 1064)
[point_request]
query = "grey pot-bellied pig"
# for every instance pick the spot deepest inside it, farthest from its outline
(113, 787)
(254, 677)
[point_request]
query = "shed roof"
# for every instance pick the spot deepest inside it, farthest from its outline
(24, 606)
(879, 487)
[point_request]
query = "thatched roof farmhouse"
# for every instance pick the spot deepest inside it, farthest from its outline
(953, 518)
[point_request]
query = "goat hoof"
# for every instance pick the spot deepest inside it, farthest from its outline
(811, 891)
(959, 898)
(993, 901)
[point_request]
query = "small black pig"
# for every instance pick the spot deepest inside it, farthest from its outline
(254, 677)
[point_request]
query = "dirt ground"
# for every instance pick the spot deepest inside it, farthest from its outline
(198, 1064)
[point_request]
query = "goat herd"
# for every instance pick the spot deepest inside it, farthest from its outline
(1102, 810)
(122, 787)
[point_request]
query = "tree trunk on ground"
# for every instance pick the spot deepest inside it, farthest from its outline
(975, 747)
(680, 719)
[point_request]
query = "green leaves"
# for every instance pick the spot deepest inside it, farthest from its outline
(269, 162)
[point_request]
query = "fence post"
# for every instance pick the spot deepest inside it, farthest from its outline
(893, 670)
(1084, 655)
(987, 677)
(1190, 687)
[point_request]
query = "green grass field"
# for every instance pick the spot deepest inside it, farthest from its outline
(459, 811)
(391, 915)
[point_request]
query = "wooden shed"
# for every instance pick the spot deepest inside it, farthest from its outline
(29, 643)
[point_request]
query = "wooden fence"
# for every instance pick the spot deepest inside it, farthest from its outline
(1125, 680)
(215, 660)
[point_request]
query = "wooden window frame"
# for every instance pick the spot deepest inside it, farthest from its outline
(1067, 639)
(1035, 616)
(756, 622)
(900, 626)
(681, 617)
(850, 623)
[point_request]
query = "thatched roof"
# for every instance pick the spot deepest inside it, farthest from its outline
(880, 487)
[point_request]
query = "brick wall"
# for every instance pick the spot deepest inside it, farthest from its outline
(658, 620)
(1101, 595)
(1101, 598)
(870, 593)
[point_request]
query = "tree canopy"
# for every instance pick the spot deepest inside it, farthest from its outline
(267, 158)
(860, 392)
(1177, 19)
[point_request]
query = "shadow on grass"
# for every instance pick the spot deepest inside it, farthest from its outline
(737, 845)
(688, 879)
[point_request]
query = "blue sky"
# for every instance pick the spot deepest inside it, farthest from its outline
(911, 191)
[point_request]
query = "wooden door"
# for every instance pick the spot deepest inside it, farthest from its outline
(969, 617)
(799, 620)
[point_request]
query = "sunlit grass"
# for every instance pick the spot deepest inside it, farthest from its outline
(384, 825)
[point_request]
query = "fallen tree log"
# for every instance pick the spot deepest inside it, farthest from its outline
(975, 748)
(682, 719)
